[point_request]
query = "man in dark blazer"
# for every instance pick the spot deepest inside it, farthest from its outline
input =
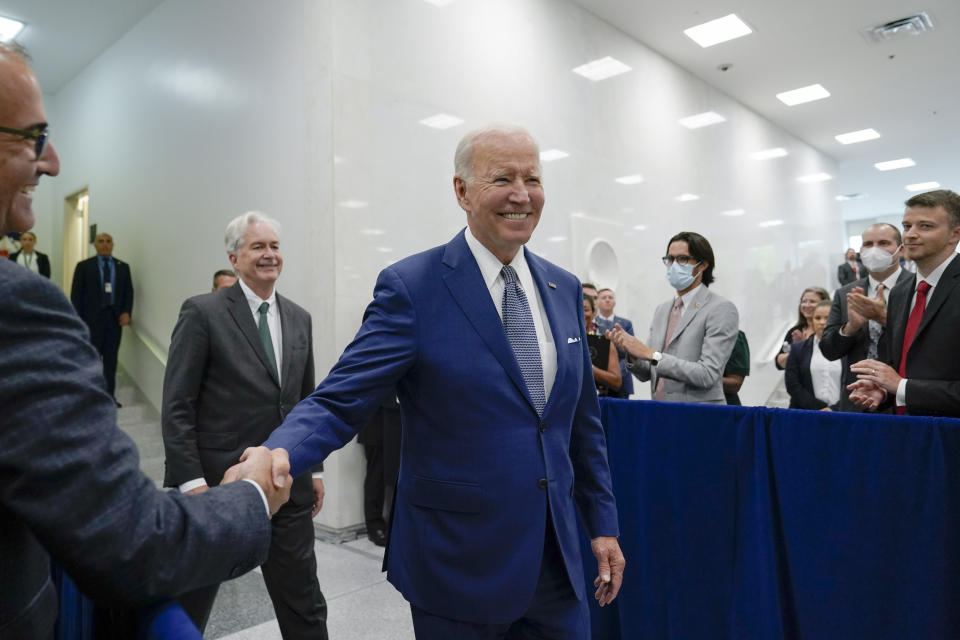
(102, 294)
(851, 269)
(485, 345)
(30, 258)
(918, 371)
(606, 320)
(240, 359)
(70, 484)
(859, 311)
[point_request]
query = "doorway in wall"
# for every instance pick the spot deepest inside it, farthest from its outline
(76, 216)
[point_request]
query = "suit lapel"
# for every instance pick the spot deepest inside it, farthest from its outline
(465, 283)
(904, 289)
(240, 311)
(286, 338)
(944, 289)
(698, 301)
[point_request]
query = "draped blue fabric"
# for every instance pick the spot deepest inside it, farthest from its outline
(79, 618)
(746, 522)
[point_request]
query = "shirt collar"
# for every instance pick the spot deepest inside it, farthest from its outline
(254, 300)
(607, 318)
(689, 295)
(490, 265)
(887, 283)
(937, 273)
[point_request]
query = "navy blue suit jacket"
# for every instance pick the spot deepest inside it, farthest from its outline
(477, 462)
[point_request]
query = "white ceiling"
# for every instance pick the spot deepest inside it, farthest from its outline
(903, 88)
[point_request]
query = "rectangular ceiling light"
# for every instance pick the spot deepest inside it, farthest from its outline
(815, 177)
(601, 69)
(9, 28)
(769, 223)
(899, 163)
(553, 154)
(438, 3)
(686, 197)
(734, 212)
(857, 136)
(803, 94)
(702, 120)
(923, 186)
(717, 31)
(441, 121)
(634, 179)
(769, 154)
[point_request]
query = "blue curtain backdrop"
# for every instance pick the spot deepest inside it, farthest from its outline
(746, 522)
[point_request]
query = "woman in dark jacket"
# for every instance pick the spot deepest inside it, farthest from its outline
(813, 382)
(33, 260)
(804, 327)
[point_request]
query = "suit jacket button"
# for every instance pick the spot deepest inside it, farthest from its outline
(543, 427)
(542, 483)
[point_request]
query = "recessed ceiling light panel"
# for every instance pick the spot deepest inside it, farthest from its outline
(803, 94)
(734, 212)
(769, 154)
(815, 177)
(857, 136)
(702, 120)
(601, 69)
(716, 31)
(769, 223)
(686, 197)
(439, 3)
(9, 28)
(633, 179)
(553, 154)
(923, 186)
(899, 163)
(441, 121)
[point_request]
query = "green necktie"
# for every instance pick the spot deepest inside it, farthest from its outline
(264, 330)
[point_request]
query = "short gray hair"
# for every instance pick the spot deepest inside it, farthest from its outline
(238, 228)
(463, 158)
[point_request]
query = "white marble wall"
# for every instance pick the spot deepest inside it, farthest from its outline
(310, 110)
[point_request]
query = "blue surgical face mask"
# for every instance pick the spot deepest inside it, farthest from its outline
(681, 276)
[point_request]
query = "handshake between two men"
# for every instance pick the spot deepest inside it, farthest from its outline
(269, 469)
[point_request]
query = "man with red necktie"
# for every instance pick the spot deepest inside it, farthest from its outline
(917, 369)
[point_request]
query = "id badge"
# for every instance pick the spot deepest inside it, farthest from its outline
(107, 287)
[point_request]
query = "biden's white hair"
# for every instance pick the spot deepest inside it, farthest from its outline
(463, 158)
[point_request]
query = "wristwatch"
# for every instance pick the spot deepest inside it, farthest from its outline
(656, 358)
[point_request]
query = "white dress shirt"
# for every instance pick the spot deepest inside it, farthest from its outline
(28, 260)
(933, 278)
(686, 298)
(825, 375)
(490, 267)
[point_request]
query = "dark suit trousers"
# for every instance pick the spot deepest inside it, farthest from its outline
(290, 573)
(554, 613)
(105, 335)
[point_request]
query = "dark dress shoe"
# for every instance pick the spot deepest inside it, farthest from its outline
(378, 537)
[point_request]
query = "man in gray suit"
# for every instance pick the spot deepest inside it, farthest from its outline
(70, 483)
(240, 359)
(691, 336)
(858, 314)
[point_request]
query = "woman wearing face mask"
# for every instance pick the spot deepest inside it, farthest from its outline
(33, 260)
(691, 335)
(813, 382)
(804, 327)
(607, 380)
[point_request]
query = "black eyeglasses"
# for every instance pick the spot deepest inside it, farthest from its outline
(683, 260)
(38, 135)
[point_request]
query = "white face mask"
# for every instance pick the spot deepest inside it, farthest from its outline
(681, 276)
(876, 259)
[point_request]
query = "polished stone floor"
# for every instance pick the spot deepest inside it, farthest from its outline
(361, 604)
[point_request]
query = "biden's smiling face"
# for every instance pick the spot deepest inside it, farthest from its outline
(504, 197)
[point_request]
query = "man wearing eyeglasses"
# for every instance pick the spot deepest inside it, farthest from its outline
(70, 483)
(691, 336)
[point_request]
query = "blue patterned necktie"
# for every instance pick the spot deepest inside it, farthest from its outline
(518, 323)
